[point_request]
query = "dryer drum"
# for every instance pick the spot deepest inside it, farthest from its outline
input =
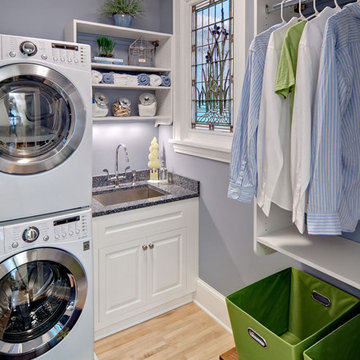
(42, 118)
(41, 297)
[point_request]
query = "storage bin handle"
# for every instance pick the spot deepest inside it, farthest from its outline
(323, 300)
(258, 338)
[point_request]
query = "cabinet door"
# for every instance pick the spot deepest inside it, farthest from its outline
(122, 280)
(167, 264)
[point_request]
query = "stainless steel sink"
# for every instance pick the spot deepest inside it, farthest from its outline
(126, 195)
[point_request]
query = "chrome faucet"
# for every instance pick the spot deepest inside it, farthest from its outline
(117, 176)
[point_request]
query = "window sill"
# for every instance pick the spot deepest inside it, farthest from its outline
(201, 150)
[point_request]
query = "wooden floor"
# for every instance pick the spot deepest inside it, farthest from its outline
(186, 333)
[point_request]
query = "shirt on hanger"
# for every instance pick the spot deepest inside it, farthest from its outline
(243, 170)
(273, 133)
(334, 195)
(286, 74)
(308, 62)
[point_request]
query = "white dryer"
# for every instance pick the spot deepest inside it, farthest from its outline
(45, 126)
(46, 301)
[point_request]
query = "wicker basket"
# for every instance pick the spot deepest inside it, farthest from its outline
(142, 53)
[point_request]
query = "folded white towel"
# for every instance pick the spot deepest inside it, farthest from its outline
(132, 80)
(155, 80)
(96, 77)
(125, 80)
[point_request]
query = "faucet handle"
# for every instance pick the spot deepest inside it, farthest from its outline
(133, 172)
(107, 173)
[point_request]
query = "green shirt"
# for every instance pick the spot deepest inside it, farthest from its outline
(286, 75)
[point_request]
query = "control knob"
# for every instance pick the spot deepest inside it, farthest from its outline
(28, 48)
(30, 234)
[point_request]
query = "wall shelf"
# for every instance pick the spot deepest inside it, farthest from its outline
(140, 69)
(112, 86)
(159, 120)
(332, 255)
(112, 30)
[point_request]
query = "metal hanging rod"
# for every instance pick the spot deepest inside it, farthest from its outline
(269, 9)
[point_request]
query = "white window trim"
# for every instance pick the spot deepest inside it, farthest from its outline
(203, 143)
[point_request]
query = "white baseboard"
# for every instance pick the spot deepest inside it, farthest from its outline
(213, 303)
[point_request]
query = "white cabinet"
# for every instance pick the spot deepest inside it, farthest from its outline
(146, 263)
(81, 31)
(121, 267)
(167, 264)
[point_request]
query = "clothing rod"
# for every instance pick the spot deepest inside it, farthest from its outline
(270, 9)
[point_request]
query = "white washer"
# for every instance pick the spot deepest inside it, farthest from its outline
(46, 300)
(45, 126)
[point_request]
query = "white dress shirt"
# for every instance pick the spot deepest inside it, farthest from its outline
(305, 88)
(273, 141)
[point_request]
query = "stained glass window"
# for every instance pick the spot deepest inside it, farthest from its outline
(212, 65)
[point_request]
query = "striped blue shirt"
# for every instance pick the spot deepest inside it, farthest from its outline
(334, 197)
(243, 166)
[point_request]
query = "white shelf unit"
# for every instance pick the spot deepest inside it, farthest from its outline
(163, 64)
(332, 255)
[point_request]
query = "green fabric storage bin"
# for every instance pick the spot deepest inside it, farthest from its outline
(342, 344)
(277, 318)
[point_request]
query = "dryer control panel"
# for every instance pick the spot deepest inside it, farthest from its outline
(47, 51)
(47, 231)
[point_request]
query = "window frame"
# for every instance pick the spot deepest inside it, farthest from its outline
(197, 142)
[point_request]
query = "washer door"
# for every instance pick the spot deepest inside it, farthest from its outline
(42, 294)
(42, 118)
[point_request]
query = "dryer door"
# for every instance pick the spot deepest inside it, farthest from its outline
(42, 118)
(42, 294)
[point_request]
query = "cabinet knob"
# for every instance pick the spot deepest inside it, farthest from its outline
(151, 245)
(144, 247)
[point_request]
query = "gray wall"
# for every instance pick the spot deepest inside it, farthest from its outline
(137, 138)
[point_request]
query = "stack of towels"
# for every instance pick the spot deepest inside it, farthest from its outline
(130, 80)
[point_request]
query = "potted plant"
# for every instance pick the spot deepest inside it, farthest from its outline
(106, 46)
(122, 11)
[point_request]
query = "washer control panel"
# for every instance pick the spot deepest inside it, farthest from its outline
(42, 232)
(57, 52)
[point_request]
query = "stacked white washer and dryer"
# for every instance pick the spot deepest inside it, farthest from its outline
(46, 300)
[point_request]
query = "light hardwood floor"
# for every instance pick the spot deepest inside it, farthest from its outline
(186, 333)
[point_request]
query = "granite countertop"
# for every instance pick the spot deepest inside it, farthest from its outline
(178, 188)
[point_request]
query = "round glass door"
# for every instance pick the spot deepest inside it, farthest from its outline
(42, 294)
(42, 118)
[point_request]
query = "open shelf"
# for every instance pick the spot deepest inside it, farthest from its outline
(159, 120)
(113, 30)
(332, 255)
(129, 118)
(112, 86)
(129, 68)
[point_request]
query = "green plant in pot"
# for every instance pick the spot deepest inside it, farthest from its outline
(122, 11)
(106, 46)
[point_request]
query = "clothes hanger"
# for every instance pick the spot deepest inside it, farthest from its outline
(282, 11)
(302, 17)
(316, 11)
(337, 5)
